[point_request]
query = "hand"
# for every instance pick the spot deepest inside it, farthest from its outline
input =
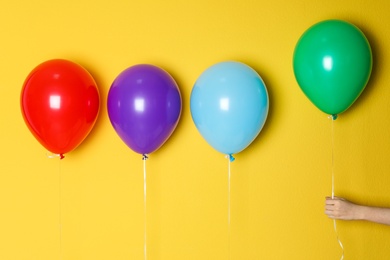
(340, 208)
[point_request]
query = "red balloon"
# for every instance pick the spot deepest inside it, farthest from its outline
(60, 104)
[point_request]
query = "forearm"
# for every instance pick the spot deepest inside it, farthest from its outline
(340, 208)
(374, 214)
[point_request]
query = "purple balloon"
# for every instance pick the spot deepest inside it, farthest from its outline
(144, 107)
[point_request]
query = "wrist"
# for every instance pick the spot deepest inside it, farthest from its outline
(361, 212)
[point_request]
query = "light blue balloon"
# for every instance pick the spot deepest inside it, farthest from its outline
(229, 106)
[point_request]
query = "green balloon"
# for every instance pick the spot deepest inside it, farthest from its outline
(332, 65)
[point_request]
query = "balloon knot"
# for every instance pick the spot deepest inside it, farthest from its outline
(55, 155)
(145, 156)
(230, 157)
(333, 117)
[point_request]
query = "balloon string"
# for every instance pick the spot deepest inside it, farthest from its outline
(334, 117)
(61, 156)
(338, 239)
(332, 135)
(230, 159)
(60, 205)
(144, 158)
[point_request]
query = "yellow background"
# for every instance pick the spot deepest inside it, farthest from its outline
(278, 183)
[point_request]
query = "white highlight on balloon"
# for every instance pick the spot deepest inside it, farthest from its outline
(55, 102)
(139, 104)
(224, 104)
(327, 62)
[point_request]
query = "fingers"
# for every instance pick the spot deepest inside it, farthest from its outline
(331, 201)
(332, 207)
(331, 212)
(334, 200)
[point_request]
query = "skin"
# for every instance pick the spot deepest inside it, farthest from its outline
(340, 208)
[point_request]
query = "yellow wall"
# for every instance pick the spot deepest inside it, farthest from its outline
(278, 183)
